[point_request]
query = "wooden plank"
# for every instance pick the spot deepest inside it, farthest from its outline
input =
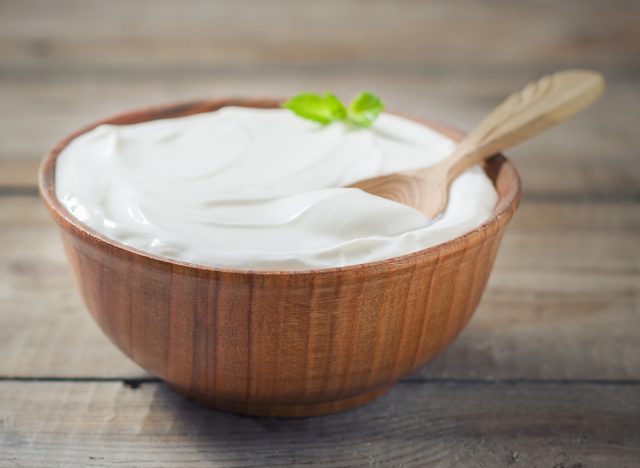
(442, 425)
(19, 175)
(593, 154)
(563, 301)
(139, 33)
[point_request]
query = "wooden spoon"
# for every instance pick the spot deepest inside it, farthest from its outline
(538, 106)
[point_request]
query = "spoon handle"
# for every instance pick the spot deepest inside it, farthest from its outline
(540, 105)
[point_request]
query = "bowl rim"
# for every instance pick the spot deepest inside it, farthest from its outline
(505, 206)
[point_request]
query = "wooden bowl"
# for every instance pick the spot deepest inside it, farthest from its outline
(280, 343)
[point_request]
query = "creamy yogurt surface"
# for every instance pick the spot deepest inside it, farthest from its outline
(261, 189)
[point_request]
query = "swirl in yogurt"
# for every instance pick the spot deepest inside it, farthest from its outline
(261, 189)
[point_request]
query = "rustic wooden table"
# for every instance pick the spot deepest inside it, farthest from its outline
(548, 371)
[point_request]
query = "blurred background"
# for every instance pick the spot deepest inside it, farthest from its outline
(66, 62)
(561, 315)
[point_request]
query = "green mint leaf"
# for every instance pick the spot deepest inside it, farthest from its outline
(364, 109)
(323, 109)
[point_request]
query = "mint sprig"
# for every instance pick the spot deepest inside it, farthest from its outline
(363, 110)
(323, 109)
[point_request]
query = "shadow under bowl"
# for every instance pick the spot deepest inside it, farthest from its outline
(280, 343)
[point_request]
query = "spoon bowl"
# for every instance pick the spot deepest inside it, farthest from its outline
(538, 106)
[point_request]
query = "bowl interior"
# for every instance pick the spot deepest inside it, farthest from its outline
(500, 170)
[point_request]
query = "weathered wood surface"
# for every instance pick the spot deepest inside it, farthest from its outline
(165, 32)
(440, 424)
(560, 320)
(69, 62)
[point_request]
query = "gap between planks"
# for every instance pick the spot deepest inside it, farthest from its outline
(136, 382)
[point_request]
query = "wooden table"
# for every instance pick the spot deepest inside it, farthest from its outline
(548, 371)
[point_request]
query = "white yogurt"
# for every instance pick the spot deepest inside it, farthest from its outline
(261, 189)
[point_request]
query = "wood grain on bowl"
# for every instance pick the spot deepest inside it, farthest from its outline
(280, 343)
